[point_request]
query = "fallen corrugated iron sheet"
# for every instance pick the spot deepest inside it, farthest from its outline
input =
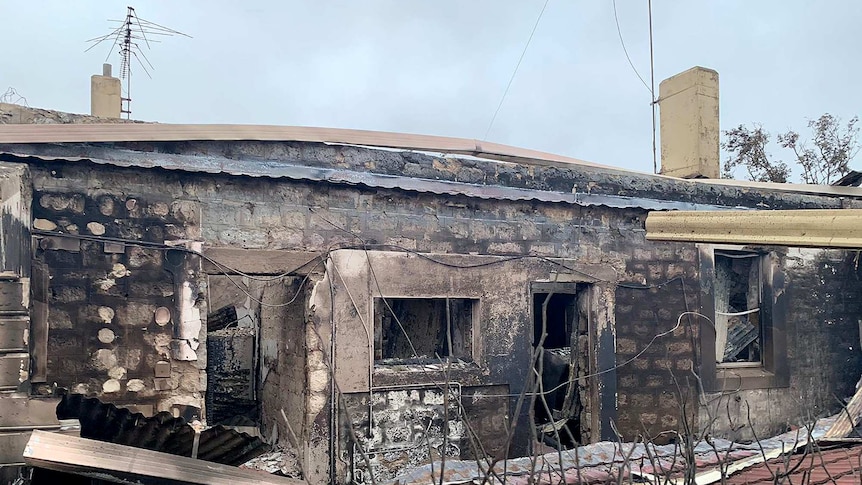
(162, 432)
(125, 464)
(847, 420)
(604, 462)
(840, 466)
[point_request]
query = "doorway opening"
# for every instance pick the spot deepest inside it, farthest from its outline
(561, 318)
(256, 352)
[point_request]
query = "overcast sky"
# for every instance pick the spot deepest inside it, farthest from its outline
(440, 67)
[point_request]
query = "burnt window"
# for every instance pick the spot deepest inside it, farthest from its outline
(744, 342)
(738, 301)
(423, 329)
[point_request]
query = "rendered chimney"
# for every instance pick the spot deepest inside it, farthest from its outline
(105, 94)
(689, 124)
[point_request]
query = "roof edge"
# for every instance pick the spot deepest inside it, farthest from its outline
(167, 132)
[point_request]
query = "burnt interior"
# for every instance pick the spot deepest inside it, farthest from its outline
(421, 329)
(251, 379)
(738, 297)
(561, 315)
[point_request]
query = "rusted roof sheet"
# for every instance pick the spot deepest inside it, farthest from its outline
(839, 466)
(162, 432)
(125, 464)
(822, 228)
(848, 419)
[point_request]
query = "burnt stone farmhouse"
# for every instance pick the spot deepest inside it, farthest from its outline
(367, 300)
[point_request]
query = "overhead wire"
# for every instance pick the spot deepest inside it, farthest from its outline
(226, 270)
(651, 86)
(518, 65)
(625, 51)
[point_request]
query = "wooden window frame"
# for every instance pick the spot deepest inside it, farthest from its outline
(773, 370)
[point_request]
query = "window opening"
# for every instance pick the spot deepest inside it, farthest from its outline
(436, 328)
(738, 329)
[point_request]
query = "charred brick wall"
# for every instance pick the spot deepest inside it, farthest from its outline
(655, 379)
(825, 305)
(823, 311)
(103, 337)
(657, 390)
(245, 212)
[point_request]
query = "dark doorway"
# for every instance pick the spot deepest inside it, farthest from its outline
(231, 396)
(561, 314)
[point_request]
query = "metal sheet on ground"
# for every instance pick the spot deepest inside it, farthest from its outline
(133, 465)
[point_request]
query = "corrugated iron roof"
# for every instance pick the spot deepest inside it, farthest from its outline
(162, 432)
(848, 419)
(57, 458)
(160, 132)
(163, 132)
(603, 462)
(278, 169)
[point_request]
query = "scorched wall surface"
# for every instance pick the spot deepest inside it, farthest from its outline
(649, 284)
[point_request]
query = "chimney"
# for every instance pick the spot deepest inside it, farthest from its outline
(688, 103)
(105, 94)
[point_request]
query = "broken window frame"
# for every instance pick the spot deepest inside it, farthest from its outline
(382, 305)
(723, 316)
(772, 371)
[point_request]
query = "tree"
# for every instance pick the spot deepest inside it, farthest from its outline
(823, 161)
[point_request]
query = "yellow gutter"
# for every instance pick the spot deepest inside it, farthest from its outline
(822, 228)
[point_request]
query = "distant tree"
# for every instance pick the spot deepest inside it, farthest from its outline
(747, 148)
(825, 160)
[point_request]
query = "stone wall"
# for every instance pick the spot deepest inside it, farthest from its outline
(641, 280)
(103, 337)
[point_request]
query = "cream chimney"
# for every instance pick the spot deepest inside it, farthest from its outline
(105, 94)
(689, 124)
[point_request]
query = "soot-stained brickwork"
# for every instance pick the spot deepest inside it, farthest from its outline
(104, 337)
(644, 358)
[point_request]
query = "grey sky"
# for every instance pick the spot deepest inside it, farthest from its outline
(439, 67)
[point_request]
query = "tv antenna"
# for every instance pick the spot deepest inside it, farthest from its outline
(128, 37)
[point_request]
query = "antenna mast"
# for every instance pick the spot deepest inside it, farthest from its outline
(127, 36)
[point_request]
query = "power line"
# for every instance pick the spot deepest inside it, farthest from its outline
(512, 78)
(651, 85)
(626, 52)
